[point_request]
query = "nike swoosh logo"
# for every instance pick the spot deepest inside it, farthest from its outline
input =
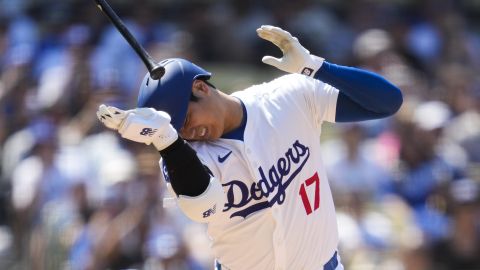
(222, 159)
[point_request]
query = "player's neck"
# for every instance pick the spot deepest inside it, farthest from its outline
(233, 112)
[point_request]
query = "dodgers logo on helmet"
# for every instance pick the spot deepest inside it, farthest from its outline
(171, 93)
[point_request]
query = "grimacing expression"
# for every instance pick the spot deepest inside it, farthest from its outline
(204, 121)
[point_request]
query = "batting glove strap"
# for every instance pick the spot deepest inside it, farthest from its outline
(166, 138)
(311, 66)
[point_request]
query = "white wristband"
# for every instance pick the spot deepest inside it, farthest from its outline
(165, 138)
(311, 66)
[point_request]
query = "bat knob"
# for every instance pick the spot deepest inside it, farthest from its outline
(157, 72)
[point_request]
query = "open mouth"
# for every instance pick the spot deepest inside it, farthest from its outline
(199, 133)
(202, 132)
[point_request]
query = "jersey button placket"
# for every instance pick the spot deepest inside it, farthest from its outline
(249, 154)
(277, 240)
(253, 164)
(279, 250)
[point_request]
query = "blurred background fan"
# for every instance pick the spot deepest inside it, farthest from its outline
(74, 196)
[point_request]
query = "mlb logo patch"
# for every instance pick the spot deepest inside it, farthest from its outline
(307, 71)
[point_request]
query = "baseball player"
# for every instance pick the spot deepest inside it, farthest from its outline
(249, 163)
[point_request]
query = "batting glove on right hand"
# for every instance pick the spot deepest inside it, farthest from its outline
(148, 126)
(296, 59)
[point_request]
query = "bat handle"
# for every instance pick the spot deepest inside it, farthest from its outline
(156, 71)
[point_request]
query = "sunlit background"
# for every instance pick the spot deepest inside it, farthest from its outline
(73, 195)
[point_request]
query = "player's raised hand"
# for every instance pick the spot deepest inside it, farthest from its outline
(146, 125)
(296, 59)
(111, 116)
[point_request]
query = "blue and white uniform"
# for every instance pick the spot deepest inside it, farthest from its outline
(279, 211)
(261, 188)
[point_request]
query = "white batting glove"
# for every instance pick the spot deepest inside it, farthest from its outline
(148, 126)
(111, 116)
(296, 59)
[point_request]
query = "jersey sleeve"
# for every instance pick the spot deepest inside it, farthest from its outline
(324, 101)
(314, 97)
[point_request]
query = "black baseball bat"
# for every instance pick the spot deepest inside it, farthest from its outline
(156, 71)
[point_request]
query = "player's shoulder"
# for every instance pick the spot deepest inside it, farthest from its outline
(292, 77)
(294, 82)
(288, 82)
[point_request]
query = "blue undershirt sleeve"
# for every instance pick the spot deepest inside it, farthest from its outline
(363, 95)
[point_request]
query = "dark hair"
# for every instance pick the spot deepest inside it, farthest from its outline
(193, 97)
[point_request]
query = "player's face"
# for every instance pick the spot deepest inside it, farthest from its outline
(204, 120)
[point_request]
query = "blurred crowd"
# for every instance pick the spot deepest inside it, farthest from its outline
(73, 195)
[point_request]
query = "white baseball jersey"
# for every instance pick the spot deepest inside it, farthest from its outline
(279, 211)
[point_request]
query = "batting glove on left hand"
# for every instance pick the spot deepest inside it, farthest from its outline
(296, 59)
(143, 125)
(111, 116)
(146, 125)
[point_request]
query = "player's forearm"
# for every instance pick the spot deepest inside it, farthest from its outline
(187, 174)
(370, 93)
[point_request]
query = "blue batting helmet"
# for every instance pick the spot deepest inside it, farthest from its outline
(172, 92)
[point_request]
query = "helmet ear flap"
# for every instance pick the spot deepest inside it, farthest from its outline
(173, 91)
